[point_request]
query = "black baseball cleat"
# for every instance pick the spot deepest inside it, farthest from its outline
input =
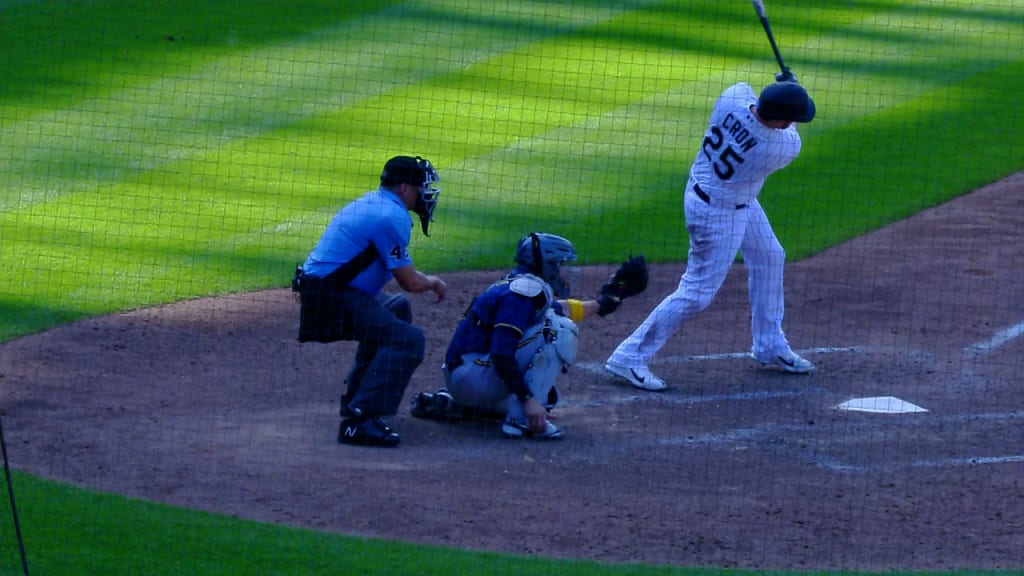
(431, 405)
(367, 432)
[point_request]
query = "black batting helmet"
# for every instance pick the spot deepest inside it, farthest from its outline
(786, 101)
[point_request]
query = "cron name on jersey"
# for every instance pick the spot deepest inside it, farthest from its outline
(739, 133)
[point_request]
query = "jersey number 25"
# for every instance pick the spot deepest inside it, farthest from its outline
(726, 156)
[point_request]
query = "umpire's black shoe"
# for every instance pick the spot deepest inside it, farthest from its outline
(367, 432)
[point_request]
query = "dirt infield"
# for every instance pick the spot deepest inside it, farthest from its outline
(212, 404)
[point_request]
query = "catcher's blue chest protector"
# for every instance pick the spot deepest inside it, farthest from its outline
(517, 302)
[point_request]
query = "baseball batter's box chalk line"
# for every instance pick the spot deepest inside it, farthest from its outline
(838, 466)
(757, 432)
(886, 404)
(878, 404)
(673, 398)
(998, 341)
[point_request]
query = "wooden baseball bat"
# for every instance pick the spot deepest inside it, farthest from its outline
(759, 8)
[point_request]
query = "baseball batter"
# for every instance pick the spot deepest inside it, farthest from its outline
(748, 138)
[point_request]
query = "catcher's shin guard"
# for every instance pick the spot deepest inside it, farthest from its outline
(553, 358)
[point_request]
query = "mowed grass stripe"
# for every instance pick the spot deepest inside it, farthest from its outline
(557, 119)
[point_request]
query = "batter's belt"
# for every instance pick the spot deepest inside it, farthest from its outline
(707, 199)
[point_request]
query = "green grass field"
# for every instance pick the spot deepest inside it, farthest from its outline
(156, 151)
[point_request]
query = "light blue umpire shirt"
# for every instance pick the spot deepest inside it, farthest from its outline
(379, 217)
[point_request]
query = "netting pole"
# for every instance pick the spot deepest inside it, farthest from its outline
(10, 493)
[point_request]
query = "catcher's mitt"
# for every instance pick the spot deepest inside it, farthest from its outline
(629, 280)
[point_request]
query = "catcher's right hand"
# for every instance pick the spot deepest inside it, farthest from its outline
(629, 280)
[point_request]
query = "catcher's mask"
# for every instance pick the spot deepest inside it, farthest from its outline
(786, 101)
(543, 254)
(415, 171)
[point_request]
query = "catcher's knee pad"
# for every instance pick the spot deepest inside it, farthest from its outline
(542, 374)
(564, 337)
(550, 360)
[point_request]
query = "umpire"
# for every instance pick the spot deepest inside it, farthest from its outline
(340, 286)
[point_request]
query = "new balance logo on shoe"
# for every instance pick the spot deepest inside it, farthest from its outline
(367, 432)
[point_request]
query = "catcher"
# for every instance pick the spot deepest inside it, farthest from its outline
(518, 336)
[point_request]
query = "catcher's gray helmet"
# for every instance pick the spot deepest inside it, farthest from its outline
(542, 254)
(785, 101)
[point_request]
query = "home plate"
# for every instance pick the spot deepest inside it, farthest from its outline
(880, 404)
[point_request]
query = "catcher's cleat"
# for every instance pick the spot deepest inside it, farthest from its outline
(639, 377)
(367, 432)
(788, 362)
(519, 428)
(431, 405)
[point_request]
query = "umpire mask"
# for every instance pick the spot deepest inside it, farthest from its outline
(416, 172)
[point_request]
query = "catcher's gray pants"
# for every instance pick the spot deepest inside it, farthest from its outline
(543, 354)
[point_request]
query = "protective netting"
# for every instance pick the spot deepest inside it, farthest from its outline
(166, 166)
